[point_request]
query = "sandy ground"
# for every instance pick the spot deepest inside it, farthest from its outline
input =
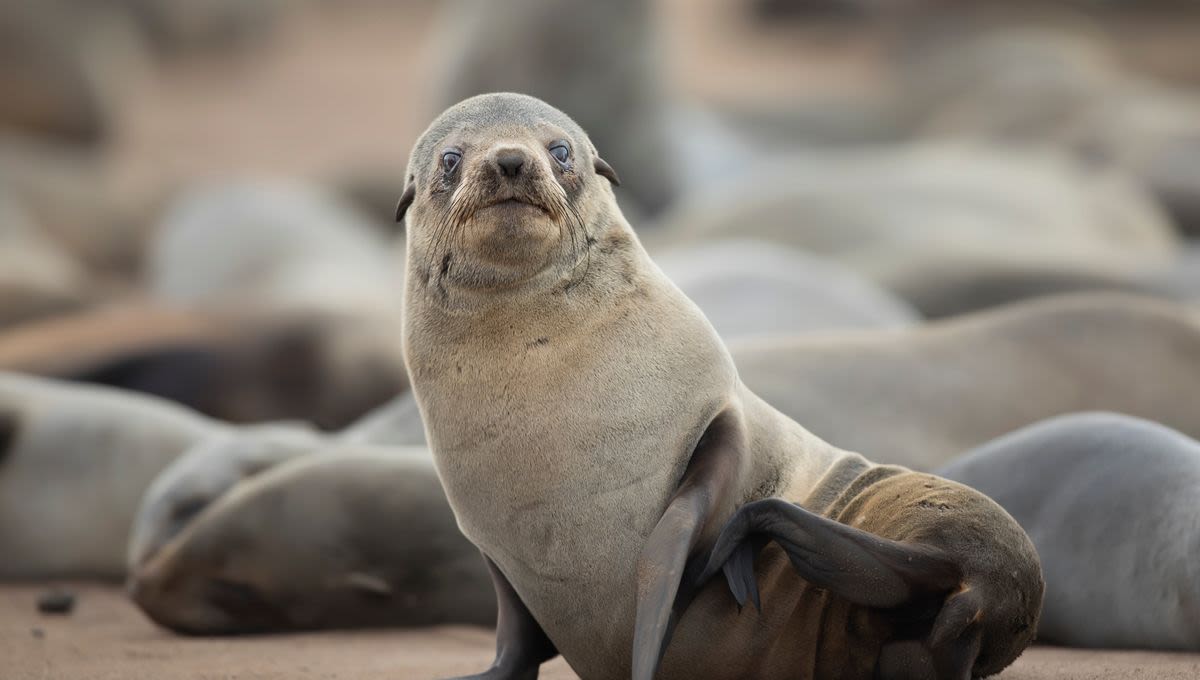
(106, 638)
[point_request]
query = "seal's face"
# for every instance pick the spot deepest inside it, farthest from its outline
(501, 188)
(202, 475)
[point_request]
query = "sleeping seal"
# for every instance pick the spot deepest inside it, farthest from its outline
(204, 472)
(348, 538)
(1110, 501)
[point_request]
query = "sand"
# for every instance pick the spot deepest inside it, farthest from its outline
(106, 638)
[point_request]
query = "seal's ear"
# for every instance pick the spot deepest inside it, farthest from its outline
(406, 199)
(605, 170)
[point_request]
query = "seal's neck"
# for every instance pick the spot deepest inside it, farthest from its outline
(598, 263)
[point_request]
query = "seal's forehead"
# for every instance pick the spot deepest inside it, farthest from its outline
(506, 108)
(498, 111)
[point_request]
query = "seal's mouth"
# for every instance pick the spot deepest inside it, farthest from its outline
(516, 202)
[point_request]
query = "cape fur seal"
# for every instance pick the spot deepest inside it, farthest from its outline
(922, 396)
(349, 538)
(593, 439)
(74, 461)
(1110, 502)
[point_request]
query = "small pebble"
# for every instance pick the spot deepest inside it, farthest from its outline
(56, 602)
(38, 633)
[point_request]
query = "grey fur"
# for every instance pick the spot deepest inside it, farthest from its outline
(72, 477)
(1111, 502)
(920, 397)
(353, 537)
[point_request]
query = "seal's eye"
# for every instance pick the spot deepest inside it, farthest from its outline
(561, 152)
(450, 161)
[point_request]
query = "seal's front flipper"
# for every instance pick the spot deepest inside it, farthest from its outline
(521, 644)
(853, 564)
(705, 493)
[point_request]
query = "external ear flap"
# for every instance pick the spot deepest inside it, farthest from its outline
(406, 199)
(605, 170)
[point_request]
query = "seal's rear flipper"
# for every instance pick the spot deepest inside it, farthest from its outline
(923, 660)
(853, 564)
(867, 570)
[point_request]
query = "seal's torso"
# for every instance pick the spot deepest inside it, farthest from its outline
(555, 480)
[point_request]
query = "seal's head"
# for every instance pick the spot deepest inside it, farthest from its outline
(202, 474)
(503, 188)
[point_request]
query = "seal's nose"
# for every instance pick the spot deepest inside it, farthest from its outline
(510, 162)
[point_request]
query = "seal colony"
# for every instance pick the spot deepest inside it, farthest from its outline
(596, 444)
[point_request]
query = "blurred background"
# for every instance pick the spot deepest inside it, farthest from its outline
(191, 164)
(197, 202)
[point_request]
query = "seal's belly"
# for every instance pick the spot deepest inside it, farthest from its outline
(571, 555)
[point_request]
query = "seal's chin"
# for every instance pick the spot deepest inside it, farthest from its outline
(513, 234)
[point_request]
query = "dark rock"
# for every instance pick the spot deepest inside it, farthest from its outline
(56, 601)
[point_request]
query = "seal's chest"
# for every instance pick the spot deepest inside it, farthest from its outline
(555, 511)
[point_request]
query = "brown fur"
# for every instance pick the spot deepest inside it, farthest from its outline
(567, 387)
(808, 632)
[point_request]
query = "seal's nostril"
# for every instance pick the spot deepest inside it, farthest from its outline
(510, 163)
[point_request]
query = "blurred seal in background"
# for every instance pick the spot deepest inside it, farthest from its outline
(206, 471)
(920, 397)
(1110, 501)
(348, 538)
(74, 461)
